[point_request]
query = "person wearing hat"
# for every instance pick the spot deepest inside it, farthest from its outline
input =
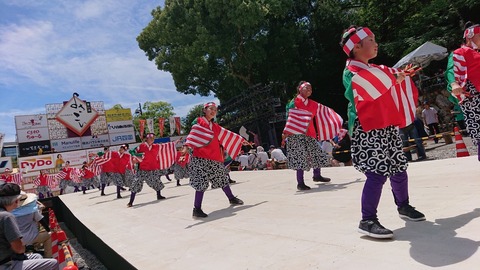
(208, 141)
(149, 168)
(12, 249)
(376, 146)
(252, 160)
(463, 77)
(29, 216)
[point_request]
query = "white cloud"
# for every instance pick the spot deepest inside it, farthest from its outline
(50, 49)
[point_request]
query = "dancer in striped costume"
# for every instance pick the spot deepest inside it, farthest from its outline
(44, 182)
(374, 117)
(303, 149)
(463, 77)
(155, 157)
(206, 164)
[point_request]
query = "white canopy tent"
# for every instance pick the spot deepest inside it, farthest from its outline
(423, 55)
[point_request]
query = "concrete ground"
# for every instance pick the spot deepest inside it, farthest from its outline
(282, 228)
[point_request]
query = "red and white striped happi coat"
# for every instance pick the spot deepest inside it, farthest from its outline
(201, 136)
(466, 66)
(45, 180)
(328, 122)
(379, 100)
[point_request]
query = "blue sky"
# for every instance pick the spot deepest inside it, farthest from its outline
(52, 48)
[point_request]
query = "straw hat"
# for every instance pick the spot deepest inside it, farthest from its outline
(26, 198)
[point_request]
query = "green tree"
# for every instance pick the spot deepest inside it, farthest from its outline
(225, 47)
(193, 114)
(155, 110)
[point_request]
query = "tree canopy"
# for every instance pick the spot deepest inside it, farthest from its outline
(155, 110)
(227, 47)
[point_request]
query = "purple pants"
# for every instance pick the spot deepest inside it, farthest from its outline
(372, 190)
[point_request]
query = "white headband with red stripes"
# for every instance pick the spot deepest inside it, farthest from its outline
(208, 104)
(303, 85)
(355, 38)
(471, 31)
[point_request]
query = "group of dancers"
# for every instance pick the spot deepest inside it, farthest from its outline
(381, 100)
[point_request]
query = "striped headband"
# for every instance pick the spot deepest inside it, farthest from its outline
(208, 104)
(303, 85)
(355, 38)
(471, 31)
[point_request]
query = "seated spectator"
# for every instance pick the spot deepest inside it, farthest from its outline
(252, 160)
(341, 149)
(29, 216)
(262, 158)
(279, 159)
(243, 159)
(12, 250)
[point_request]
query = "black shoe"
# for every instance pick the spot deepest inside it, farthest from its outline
(102, 194)
(129, 205)
(374, 229)
(421, 158)
(409, 212)
(198, 213)
(303, 187)
(178, 184)
(119, 197)
(231, 181)
(160, 197)
(235, 201)
(321, 179)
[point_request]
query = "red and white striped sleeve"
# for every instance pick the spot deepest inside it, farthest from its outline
(460, 68)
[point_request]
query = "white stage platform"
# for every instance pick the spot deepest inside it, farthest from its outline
(282, 228)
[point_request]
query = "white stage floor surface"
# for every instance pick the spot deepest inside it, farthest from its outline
(282, 228)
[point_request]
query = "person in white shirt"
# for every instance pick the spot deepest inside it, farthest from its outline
(262, 157)
(278, 157)
(243, 159)
(430, 118)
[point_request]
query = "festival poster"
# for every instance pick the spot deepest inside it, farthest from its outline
(161, 126)
(141, 123)
(171, 121)
(178, 125)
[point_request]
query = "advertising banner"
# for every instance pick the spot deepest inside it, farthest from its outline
(31, 148)
(76, 158)
(64, 145)
(32, 135)
(120, 127)
(95, 141)
(114, 115)
(5, 162)
(27, 165)
(77, 115)
(121, 138)
(31, 121)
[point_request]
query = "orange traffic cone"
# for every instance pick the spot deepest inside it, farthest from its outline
(462, 150)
